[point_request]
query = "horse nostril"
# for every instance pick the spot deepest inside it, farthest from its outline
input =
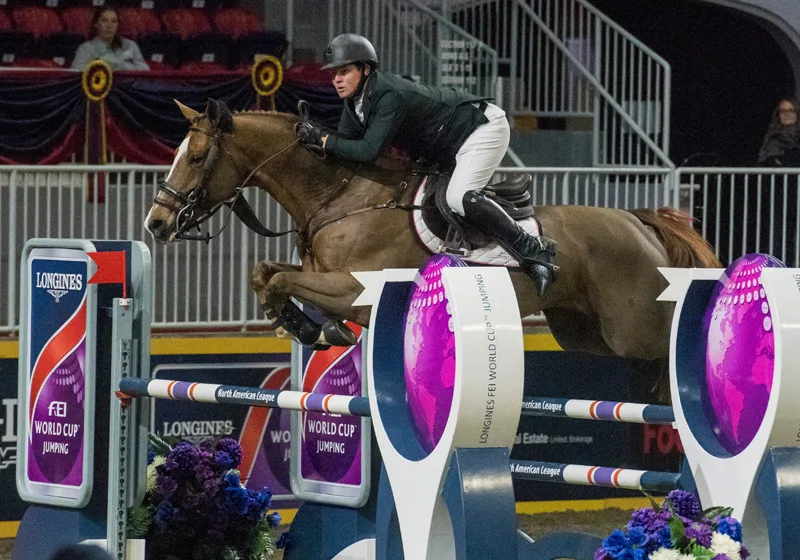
(155, 225)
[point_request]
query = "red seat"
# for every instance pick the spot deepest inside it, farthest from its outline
(36, 20)
(238, 21)
(5, 23)
(198, 67)
(77, 19)
(186, 22)
(135, 22)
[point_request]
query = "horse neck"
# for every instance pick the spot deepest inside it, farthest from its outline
(298, 180)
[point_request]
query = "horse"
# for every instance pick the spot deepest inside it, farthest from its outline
(354, 217)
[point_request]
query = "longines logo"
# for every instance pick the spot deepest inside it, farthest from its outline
(59, 284)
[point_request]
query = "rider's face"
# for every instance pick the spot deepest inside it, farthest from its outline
(346, 79)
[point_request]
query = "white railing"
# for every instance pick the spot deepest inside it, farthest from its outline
(412, 39)
(200, 286)
(565, 58)
(746, 210)
(195, 285)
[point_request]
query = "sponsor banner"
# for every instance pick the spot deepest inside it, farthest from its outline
(57, 426)
(264, 433)
(331, 444)
(586, 442)
(11, 506)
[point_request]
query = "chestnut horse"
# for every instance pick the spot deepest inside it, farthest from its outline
(603, 302)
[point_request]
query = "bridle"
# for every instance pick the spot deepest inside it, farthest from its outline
(190, 213)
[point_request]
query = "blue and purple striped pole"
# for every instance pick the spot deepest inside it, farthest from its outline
(598, 410)
(651, 481)
(251, 396)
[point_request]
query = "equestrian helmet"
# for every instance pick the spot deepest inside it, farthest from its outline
(349, 48)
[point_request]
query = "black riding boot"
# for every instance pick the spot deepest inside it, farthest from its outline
(534, 254)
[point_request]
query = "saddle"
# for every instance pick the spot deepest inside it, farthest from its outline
(512, 194)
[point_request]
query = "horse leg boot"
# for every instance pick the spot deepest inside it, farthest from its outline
(534, 254)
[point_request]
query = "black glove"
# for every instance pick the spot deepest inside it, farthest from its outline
(309, 135)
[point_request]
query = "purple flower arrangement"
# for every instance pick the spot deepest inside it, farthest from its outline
(197, 509)
(676, 530)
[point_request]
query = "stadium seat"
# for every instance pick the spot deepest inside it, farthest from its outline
(135, 22)
(36, 20)
(59, 47)
(5, 23)
(186, 22)
(14, 46)
(77, 19)
(237, 21)
(265, 42)
(213, 48)
(161, 50)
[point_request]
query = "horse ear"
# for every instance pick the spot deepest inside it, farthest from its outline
(219, 115)
(188, 112)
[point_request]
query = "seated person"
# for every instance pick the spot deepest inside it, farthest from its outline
(781, 146)
(107, 45)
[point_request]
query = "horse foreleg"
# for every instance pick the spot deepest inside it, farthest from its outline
(331, 292)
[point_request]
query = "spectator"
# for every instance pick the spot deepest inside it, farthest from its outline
(107, 45)
(81, 552)
(781, 147)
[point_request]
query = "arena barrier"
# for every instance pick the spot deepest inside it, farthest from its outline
(422, 508)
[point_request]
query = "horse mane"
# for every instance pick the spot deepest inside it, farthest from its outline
(685, 247)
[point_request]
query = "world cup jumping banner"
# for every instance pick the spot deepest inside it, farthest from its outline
(57, 366)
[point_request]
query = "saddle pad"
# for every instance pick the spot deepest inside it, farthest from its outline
(491, 254)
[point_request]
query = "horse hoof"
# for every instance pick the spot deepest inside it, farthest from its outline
(336, 333)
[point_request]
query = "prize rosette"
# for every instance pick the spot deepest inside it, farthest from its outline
(267, 75)
(97, 80)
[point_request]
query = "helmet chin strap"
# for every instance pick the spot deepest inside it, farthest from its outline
(361, 83)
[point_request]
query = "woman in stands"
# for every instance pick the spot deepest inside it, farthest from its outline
(441, 125)
(781, 147)
(107, 45)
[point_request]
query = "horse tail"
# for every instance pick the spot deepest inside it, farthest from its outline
(685, 247)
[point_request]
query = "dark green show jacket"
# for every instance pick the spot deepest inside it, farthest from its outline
(427, 122)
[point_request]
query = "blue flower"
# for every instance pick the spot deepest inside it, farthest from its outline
(274, 519)
(637, 536)
(615, 543)
(664, 537)
(165, 513)
(731, 527)
(237, 499)
(223, 460)
(233, 449)
(232, 479)
(630, 554)
(721, 557)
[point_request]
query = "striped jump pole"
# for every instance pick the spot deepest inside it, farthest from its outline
(598, 410)
(251, 396)
(651, 481)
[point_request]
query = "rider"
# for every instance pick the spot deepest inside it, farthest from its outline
(438, 124)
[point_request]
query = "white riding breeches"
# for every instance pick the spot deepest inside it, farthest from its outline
(478, 157)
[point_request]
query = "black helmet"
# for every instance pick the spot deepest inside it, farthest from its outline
(347, 49)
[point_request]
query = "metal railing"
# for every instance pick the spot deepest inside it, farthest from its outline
(745, 210)
(564, 58)
(413, 40)
(199, 286)
(195, 285)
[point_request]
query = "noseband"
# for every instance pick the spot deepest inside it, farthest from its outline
(187, 205)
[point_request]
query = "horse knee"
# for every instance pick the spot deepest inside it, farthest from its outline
(260, 276)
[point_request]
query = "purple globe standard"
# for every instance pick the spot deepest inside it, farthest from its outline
(740, 352)
(429, 353)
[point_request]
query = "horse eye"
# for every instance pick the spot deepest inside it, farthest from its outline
(194, 160)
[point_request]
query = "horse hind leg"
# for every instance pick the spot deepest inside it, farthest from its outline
(576, 331)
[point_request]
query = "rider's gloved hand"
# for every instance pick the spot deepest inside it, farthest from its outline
(310, 136)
